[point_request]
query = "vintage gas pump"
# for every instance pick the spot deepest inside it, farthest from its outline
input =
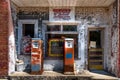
(36, 56)
(69, 56)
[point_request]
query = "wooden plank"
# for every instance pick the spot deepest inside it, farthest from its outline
(95, 55)
(18, 2)
(108, 2)
(99, 67)
(26, 3)
(95, 50)
(95, 60)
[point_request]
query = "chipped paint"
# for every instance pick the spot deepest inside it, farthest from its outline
(88, 17)
(11, 43)
(112, 56)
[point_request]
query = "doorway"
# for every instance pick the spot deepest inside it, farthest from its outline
(95, 51)
(27, 29)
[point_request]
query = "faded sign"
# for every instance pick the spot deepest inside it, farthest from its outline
(62, 14)
(92, 44)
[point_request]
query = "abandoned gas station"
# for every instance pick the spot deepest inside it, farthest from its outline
(59, 35)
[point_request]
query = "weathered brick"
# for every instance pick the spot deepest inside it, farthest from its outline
(4, 42)
(3, 37)
(3, 72)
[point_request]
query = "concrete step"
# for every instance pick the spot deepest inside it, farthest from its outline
(49, 78)
(51, 75)
(97, 76)
(3, 77)
(48, 75)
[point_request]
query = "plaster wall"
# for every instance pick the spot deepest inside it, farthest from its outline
(112, 55)
(91, 18)
(87, 18)
(11, 38)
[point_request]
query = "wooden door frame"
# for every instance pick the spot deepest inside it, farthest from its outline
(20, 28)
(93, 29)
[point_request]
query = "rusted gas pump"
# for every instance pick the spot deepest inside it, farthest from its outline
(68, 56)
(36, 56)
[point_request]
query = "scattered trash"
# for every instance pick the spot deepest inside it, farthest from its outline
(19, 65)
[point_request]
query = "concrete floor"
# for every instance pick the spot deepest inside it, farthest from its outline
(93, 75)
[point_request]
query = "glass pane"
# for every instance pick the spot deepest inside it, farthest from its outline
(56, 47)
(53, 28)
(69, 28)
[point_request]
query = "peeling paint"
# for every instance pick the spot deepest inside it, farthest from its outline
(11, 43)
(88, 17)
(112, 56)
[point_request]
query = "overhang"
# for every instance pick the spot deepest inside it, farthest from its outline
(63, 3)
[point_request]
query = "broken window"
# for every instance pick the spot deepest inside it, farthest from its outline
(55, 41)
(69, 28)
(95, 36)
(28, 30)
(54, 28)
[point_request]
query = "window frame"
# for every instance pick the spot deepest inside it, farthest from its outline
(20, 30)
(61, 29)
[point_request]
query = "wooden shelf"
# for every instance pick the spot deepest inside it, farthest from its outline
(95, 55)
(95, 50)
(95, 60)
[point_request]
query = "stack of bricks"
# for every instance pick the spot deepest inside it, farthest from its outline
(3, 38)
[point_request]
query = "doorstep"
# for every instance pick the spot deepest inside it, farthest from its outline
(86, 75)
(97, 76)
(49, 73)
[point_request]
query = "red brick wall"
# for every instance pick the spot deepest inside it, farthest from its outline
(3, 38)
(119, 38)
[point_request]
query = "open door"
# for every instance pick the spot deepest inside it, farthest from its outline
(95, 51)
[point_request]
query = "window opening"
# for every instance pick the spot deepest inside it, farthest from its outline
(95, 36)
(55, 42)
(69, 28)
(28, 30)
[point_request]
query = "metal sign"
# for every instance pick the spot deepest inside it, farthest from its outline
(62, 14)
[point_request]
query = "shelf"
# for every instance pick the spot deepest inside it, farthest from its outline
(95, 50)
(95, 55)
(95, 60)
(96, 66)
